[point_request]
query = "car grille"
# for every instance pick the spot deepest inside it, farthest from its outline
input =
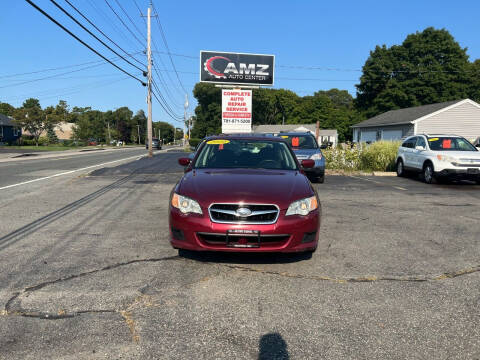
(233, 239)
(259, 213)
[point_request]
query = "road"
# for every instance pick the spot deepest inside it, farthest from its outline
(24, 169)
(86, 271)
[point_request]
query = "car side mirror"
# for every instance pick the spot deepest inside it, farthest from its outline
(420, 148)
(184, 161)
(323, 146)
(308, 163)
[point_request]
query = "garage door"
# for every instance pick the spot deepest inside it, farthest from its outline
(368, 136)
(392, 134)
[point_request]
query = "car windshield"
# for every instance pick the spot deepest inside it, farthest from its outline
(447, 143)
(301, 141)
(243, 153)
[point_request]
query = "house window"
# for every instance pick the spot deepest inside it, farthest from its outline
(379, 135)
(16, 131)
(1, 132)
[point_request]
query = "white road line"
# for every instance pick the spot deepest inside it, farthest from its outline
(378, 182)
(69, 172)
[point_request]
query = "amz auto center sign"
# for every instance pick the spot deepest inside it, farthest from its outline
(236, 111)
(236, 68)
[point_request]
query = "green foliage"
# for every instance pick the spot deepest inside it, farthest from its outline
(379, 156)
(194, 142)
(6, 109)
(428, 67)
(166, 131)
(333, 108)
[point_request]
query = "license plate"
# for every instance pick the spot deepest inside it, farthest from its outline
(472, 171)
(238, 238)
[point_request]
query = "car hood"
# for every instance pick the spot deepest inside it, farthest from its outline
(460, 154)
(280, 187)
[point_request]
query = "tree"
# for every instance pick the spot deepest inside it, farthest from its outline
(6, 109)
(32, 118)
(139, 121)
(166, 131)
(428, 67)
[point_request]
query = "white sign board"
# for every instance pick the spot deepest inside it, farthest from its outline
(236, 111)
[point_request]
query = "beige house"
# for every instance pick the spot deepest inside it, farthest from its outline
(64, 131)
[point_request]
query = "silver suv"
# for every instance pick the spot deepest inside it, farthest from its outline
(439, 157)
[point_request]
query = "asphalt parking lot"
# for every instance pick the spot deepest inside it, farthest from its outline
(86, 271)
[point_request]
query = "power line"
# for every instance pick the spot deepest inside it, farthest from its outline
(166, 46)
(82, 42)
(130, 19)
(95, 36)
(67, 91)
(51, 76)
(123, 23)
(161, 104)
(112, 23)
(58, 68)
(159, 75)
(101, 32)
(164, 100)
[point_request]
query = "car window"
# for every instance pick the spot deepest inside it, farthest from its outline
(421, 142)
(258, 154)
(410, 143)
(450, 143)
(300, 141)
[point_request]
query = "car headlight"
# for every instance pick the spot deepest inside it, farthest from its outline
(185, 204)
(317, 156)
(302, 207)
(446, 158)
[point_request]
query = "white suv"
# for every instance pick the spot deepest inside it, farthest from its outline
(439, 157)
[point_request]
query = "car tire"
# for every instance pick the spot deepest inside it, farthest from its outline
(428, 173)
(400, 168)
(321, 179)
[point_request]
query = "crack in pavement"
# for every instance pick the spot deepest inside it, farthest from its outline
(13, 305)
(343, 280)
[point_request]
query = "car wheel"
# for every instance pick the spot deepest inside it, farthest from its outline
(321, 179)
(400, 168)
(427, 174)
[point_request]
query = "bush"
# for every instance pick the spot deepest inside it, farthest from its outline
(194, 142)
(379, 156)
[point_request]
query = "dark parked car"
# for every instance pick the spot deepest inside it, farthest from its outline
(305, 146)
(244, 193)
(156, 144)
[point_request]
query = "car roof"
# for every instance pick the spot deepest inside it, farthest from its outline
(288, 133)
(247, 136)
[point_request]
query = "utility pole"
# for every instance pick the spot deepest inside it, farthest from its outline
(185, 119)
(109, 138)
(149, 87)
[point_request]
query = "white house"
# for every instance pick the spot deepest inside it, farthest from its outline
(458, 117)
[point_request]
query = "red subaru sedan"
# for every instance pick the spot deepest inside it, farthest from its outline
(244, 193)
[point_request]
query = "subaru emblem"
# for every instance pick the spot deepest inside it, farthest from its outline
(243, 212)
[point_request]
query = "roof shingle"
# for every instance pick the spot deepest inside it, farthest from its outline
(404, 116)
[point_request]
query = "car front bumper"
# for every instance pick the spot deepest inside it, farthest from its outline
(460, 173)
(318, 170)
(289, 234)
